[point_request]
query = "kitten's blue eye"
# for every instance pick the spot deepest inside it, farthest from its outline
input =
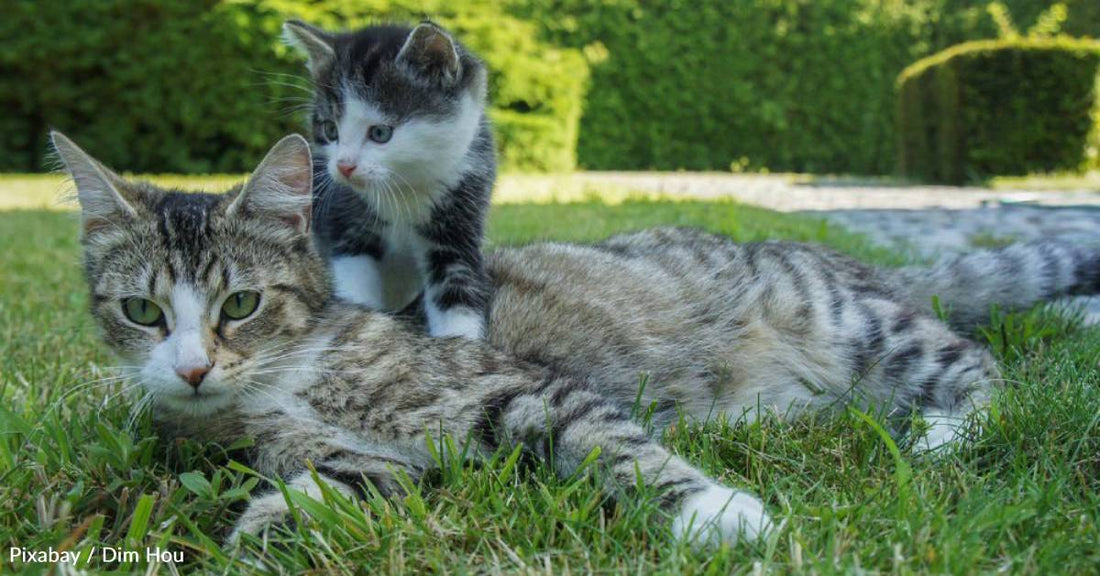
(329, 130)
(380, 133)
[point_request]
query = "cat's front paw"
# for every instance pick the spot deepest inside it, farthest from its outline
(272, 508)
(719, 514)
(463, 322)
(261, 513)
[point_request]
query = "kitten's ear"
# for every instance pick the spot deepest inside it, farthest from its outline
(280, 190)
(430, 52)
(314, 42)
(98, 189)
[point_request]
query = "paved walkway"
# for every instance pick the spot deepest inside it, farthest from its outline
(789, 194)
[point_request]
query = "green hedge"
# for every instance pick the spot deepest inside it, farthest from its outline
(991, 108)
(790, 85)
(206, 86)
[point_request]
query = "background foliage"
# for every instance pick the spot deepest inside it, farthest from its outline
(790, 85)
(787, 85)
(202, 86)
(998, 107)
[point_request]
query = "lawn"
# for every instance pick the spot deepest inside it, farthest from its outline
(78, 473)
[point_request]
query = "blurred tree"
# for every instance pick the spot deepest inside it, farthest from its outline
(800, 85)
(201, 86)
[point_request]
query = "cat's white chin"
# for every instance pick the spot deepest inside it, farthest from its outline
(194, 405)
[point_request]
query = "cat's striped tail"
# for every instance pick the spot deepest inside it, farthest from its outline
(1012, 278)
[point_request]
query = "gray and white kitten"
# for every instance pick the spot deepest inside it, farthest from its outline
(224, 305)
(406, 166)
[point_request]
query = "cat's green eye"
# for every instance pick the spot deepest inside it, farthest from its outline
(142, 311)
(241, 305)
(380, 133)
(329, 130)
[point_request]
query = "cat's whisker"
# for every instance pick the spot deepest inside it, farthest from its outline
(255, 387)
(406, 192)
(107, 400)
(325, 191)
(283, 79)
(86, 386)
(398, 205)
(138, 409)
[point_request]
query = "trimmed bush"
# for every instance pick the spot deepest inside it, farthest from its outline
(991, 108)
(206, 86)
(788, 85)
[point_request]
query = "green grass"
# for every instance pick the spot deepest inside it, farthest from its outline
(75, 473)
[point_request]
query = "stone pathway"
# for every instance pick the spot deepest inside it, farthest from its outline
(795, 194)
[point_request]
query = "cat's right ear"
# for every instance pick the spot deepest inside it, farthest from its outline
(280, 191)
(97, 188)
(314, 42)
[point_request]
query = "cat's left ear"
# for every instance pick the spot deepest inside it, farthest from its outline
(430, 53)
(281, 188)
(102, 193)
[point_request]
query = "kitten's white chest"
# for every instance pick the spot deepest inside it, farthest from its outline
(389, 284)
(402, 268)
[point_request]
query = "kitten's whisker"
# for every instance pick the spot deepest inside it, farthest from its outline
(283, 79)
(405, 192)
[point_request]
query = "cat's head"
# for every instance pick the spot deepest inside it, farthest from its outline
(196, 293)
(394, 107)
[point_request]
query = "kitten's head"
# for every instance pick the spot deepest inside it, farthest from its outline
(394, 107)
(198, 292)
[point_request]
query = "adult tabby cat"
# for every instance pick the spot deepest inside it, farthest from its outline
(225, 304)
(406, 166)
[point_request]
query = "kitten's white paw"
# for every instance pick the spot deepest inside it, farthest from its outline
(456, 322)
(357, 279)
(719, 514)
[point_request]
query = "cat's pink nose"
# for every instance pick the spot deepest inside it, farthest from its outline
(345, 169)
(193, 375)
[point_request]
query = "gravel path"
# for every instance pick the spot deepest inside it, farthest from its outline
(787, 194)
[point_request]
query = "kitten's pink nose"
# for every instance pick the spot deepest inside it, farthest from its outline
(345, 169)
(193, 375)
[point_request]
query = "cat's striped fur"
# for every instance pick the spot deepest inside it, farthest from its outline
(727, 328)
(719, 328)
